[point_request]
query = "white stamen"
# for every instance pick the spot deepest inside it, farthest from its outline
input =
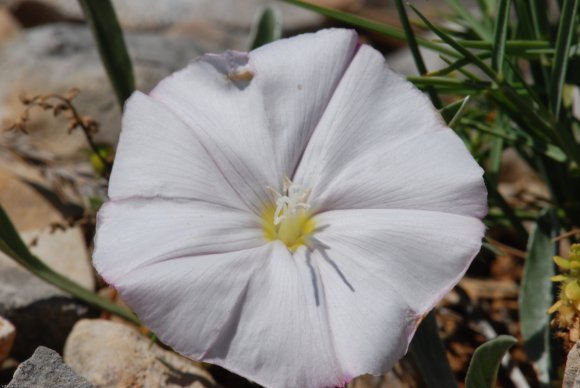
(295, 198)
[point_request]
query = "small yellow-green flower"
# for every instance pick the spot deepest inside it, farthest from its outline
(568, 306)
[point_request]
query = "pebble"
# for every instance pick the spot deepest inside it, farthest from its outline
(110, 354)
(57, 57)
(46, 369)
(42, 313)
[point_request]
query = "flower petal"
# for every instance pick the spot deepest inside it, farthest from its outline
(282, 338)
(253, 312)
(159, 156)
(434, 172)
(297, 78)
(374, 261)
(138, 232)
(370, 322)
(255, 112)
(361, 154)
(193, 303)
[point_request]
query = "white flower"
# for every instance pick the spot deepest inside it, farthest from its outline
(290, 213)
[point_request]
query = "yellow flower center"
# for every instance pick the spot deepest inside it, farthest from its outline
(289, 219)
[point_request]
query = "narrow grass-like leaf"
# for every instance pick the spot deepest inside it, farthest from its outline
(371, 25)
(500, 36)
(527, 215)
(516, 138)
(540, 26)
(448, 112)
(268, 26)
(486, 6)
(12, 245)
(468, 74)
(511, 46)
(456, 65)
(525, 109)
(524, 20)
(484, 365)
(539, 18)
(457, 46)
(449, 82)
(108, 35)
(428, 353)
(417, 57)
(507, 210)
(566, 29)
(495, 154)
(536, 293)
(477, 26)
(531, 91)
(457, 116)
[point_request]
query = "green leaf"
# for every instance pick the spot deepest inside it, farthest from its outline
(462, 69)
(467, 15)
(459, 47)
(12, 245)
(493, 169)
(522, 111)
(507, 210)
(500, 36)
(456, 65)
(268, 26)
(486, 6)
(536, 293)
(524, 28)
(371, 25)
(539, 18)
(453, 110)
(484, 365)
(109, 38)
(566, 30)
(518, 138)
(457, 116)
(511, 46)
(449, 82)
(412, 42)
(428, 353)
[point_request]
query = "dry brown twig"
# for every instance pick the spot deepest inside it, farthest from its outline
(573, 232)
(60, 104)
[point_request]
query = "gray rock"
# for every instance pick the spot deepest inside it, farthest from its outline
(110, 354)
(153, 14)
(57, 57)
(41, 313)
(572, 372)
(46, 369)
(24, 205)
(65, 252)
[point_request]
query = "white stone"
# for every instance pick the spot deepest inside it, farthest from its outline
(7, 335)
(110, 354)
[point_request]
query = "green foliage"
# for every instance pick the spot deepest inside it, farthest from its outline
(568, 26)
(536, 293)
(414, 47)
(108, 35)
(267, 28)
(484, 365)
(517, 69)
(428, 353)
(505, 85)
(12, 245)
